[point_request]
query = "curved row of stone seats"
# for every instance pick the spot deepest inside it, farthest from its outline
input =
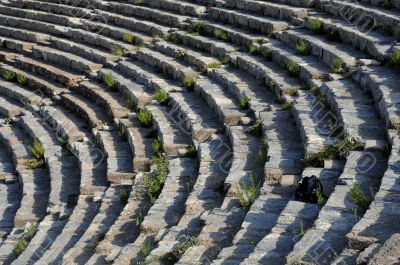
(386, 20)
(221, 223)
(184, 108)
(255, 22)
(387, 253)
(215, 159)
(80, 30)
(286, 218)
(374, 43)
(327, 238)
(10, 192)
(379, 222)
(181, 7)
(110, 208)
(264, 8)
(391, 5)
(166, 210)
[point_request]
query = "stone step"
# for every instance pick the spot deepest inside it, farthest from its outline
(379, 81)
(118, 154)
(24, 35)
(9, 108)
(17, 45)
(263, 215)
(387, 19)
(173, 137)
(143, 12)
(112, 101)
(42, 68)
(62, 167)
(65, 59)
(285, 152)
(388, 253)
(110, 208)
(180, 7)
(377, 225)
(168, 208)
(94, 114)
(18, 93)
(274, 247)
(314, 121)
(126, 228)
(215, 158)
(217, 48)
(220, 100)
(275, 10)
(301, 3)
(356, 112)
(34, 81)
(17, 143)
(327, 51)
(6, 248)
(372, 42)
(140, 142)
(247, 20)
(79, 221)
(58, 24)
(340, 213)
(184, 107)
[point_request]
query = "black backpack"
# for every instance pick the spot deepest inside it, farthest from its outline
(307, 189)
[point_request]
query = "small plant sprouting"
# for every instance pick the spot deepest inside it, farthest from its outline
(358, 197)
(124, 195)
(118, 51)
(333, 35)
(139, 219)
(396, 58)
(337, 65)
(302, 230)
(293, 68)
(214, 65)
(37, 153)
(222, 35)
(244, 102)
(301, 48)
(254, 50)
(161, 96)
(267, 54)
(145, 248)
(157, 148)
(188, 83)
(248, 193)
(191, 151)
(9, 76)
(320, 199)
(109, 81)
(22, 80)
(154, 181)
(128, 37)
(292, 91)
(197, 28)
(316, 25)
(256, 128)
(122, 133)
(21, 245)
(145, 117)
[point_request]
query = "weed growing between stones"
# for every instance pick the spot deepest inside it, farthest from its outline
(244, 102)
(173, 256)
(154, 181)
(336, 152)
(396, 59)
(124, 195)
(248, 193)
(292, 91)
(21, 245)
(122, 133)
(358, 197)
(118, 51)
(9, 76)
(316, 26)
(320, 199)
(145, 117)
(161, 96)
(267, 54)
(157, 148)
(188, 83)
(109, 81)
(292, 68)
(191, 151)
(337, 66)
(256, 128)
(302, 231)
(198, 27)
(37, 153)
(333, 35)
(301, 48)
(128, 37)
(96, 239)
(254, 50)
(139, 219)
(222, 35)
(22, 80)
(145, 248)
(214, 65)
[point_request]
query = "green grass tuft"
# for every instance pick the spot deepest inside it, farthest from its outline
(293, 68)
(222, 35)
(124, 195)
(21, 245)
(244, 102)
(396, 58)
(337, 66)
(118, 51)
(128, 37)
(248, 193)
(145, 117)
(9, 76)
(154, 181)
(109, 81)
(358, 197)
(22, 80)
(316, 26)
(188, 83)
(301, 48)
(161, 96)
(191, 151)
(256, 128)
(254, 50)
